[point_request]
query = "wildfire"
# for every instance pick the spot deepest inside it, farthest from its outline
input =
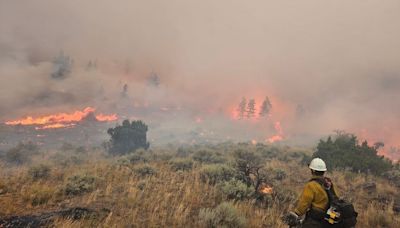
(266, 189)
(54, 126)
(388, 136)
(274, 138)
(102, 118)
(279, 136)
(61, 120)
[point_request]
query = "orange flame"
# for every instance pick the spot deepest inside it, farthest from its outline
(61, 119)
(102, 118)
(275, 138)
(279, 107)
(54, 126)
(389, 137)
(266, 189)
(279, 136)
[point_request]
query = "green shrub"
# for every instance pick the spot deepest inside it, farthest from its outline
(283, 195)
(183, 152)
(279, 174)
(64, 160)
(224, 215)
(80, 184)
(216, 173)
(344, 151)
(180, 164)
(162, 156)
(306, 160)
(235, 189)
(296, 155)
(128, 137)
(39, 172)
(139, 156)
(21, 154)
(249, 167)
(145, 170)
(266, 151)
(205, 156)
(17, 157)
(134, 158)
(393, 176)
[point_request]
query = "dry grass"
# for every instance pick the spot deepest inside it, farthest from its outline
(172, 198)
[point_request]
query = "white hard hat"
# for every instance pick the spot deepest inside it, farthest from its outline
(317, 164)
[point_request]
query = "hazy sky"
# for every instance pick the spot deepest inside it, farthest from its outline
(339, 59)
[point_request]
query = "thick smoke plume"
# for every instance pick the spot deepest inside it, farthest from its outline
(337, 62)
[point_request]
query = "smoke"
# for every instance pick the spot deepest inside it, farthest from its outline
(338, 60)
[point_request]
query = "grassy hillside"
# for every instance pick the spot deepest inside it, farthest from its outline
(178, 187)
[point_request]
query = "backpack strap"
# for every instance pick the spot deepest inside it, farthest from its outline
(327, 185)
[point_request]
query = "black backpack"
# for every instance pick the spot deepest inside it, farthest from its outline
(339, 212)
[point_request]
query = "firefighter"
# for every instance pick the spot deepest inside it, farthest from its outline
(314, 200)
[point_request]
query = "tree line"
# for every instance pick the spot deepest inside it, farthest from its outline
(247, 108)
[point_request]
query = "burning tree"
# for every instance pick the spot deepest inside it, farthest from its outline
(242, 108)
(128, 137)
(265, 107)
(251, 109)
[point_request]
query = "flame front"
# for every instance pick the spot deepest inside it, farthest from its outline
(101, 117)
(61, 120)
(54, 126)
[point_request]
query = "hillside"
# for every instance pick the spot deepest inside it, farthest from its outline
(176, 187)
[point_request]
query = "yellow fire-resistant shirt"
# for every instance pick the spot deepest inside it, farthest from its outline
(313, 196)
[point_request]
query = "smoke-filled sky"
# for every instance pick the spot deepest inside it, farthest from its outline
(339, 59)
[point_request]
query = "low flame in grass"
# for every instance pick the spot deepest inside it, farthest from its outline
(275, 138)
(52, 119)
(266, 189)
(61, 120)
(55, 126)
(102, 118)
(279, 133)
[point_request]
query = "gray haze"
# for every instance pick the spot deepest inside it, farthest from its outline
(339, 60)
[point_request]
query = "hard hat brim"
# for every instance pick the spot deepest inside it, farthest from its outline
(316, 169)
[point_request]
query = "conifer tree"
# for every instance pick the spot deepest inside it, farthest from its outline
(242, 108)
(265, 107)
(251, 108)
